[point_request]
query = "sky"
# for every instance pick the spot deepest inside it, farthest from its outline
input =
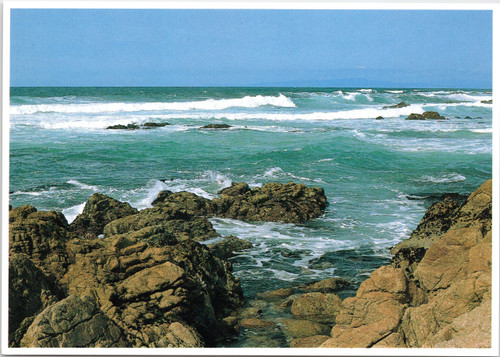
(173, 47)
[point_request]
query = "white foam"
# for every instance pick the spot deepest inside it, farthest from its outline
(71, 212)
(395, 91)
(482, 131)
(83, 186)
(453, 177)
(209, 104)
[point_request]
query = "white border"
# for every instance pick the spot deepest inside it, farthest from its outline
(355, 5)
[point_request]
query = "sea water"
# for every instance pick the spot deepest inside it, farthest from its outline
(379, 175)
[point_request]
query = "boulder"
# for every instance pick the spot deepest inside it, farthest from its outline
(379, 117)
(276, 202)
(151, 125)
(294, 328)
(73, 322)
(186, 201)
(425, 116)
(254, 324)
(99, 210)
(318, 307)
(227, 247)
(326, 286)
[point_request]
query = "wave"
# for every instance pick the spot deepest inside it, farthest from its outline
(209, 104)
(448, 178)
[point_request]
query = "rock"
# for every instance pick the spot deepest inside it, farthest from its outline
(425, 116)
(318, 307)
(99, 210)
(42, 237)
(216, 126)
(150, 125)
(162, 225)
(185, 201)
(227, 247)
(399, 105)
(308, 342)
(30, 291)
(254, 323)
(467, 117)
(440, 300)
(379, 117)
(123, 127)
(73, 322)
(326, 286)
(278, 294)
(289, 203)
(294, 328)
(145, 288)
(489, 101)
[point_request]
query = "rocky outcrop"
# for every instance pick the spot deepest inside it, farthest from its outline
(425, 116)
(99, 210)
(216, 126)
(428, 302)
(41, 236)
(274, 202)
(132, 126)
(289, 203)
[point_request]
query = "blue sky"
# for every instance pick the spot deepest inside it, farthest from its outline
(399, 48)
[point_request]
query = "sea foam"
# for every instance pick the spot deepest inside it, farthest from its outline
(209, 104)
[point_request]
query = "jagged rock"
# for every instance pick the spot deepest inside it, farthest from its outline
(289, 203)
(428, 303)
(30, 291)
(187, 201)
(162, 224)
(41, 235)
(99, 211)
(73, 322)
(227, 247)
(318, 307)
(309, 342)
(294, 328)
(216, 126)
(399, 105)
(145, 288)
(425, 116)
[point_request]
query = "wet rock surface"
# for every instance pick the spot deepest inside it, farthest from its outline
(425, 116)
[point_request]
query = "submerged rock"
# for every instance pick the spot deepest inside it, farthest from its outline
(132, 126)
(425, 116)
(489, 101)
(151, 125)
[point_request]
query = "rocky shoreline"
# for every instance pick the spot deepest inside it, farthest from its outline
(119, 277)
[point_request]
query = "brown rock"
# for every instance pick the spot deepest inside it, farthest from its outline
(227, 247)
(425, 116)
(317, 307)
(294, 328)
(327, 285)
(278, 294)
(99, 211)
(309, 342)
(73, 322)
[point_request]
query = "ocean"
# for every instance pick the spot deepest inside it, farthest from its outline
(379, 175)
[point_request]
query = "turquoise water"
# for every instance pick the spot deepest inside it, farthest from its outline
(379, 175)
